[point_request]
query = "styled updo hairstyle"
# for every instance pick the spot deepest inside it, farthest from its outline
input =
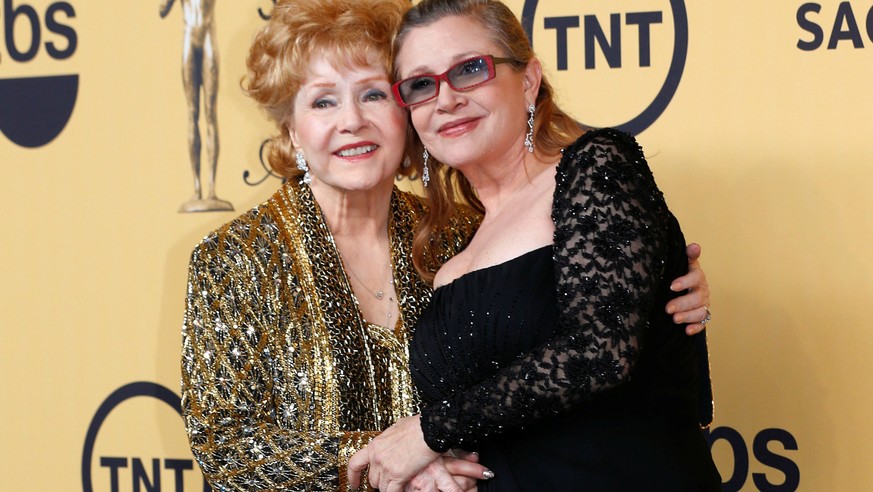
(553, 128)
(348, 33)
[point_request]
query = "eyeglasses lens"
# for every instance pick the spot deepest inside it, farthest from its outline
(469, 73)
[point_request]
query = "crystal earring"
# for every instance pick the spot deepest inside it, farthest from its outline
(528, 139)
(425, 175)
(301, 164)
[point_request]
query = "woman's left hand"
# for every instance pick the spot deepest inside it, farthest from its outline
(693, 307)
(438, 477)
(395, 456)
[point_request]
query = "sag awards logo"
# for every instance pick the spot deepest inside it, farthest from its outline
(35, 109)
(127, 441)
(845, 26)
(623, 60)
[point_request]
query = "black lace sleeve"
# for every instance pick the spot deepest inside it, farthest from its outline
(611, 228)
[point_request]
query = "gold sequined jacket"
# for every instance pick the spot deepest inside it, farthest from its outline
(282, 378)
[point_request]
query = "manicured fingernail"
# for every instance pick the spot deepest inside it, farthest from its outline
(671, 309)
(675, 286)
(678, 318)
(488, 474)
(475, 453)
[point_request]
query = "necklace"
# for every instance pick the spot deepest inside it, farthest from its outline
(378, 294)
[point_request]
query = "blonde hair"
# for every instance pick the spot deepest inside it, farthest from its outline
(348, 33)
(553, 128)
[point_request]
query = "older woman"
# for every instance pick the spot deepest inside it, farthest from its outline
(545, 347)
(299, 312)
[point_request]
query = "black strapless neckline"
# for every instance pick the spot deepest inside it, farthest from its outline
(481, 321)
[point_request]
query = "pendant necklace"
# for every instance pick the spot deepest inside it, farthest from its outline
(379, 294)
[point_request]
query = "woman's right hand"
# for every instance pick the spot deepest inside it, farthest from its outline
(450, 474)
(692, 307)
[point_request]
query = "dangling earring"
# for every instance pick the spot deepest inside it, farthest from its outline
(301, 164)
(528, 139)
(425, 175)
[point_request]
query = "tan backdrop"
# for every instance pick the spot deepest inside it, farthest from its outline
(764, 151)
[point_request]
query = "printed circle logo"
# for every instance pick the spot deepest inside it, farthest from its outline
(34, 110)
(131, 453)
(619, 63)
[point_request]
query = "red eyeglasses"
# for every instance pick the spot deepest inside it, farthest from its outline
(462, 76)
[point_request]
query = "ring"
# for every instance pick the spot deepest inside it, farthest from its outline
(706, 319)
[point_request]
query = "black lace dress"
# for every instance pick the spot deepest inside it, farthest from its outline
(560, 366)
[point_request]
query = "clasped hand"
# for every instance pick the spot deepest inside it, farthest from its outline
(400, 460)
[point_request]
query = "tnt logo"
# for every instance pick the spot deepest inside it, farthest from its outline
(136, 441)
(34, 110)
(621, 61)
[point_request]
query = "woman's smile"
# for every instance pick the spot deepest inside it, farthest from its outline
(356, 150)
(458, 127)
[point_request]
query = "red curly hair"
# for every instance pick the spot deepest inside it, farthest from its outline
(349, 33)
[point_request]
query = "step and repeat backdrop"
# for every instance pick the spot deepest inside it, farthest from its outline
(757, 118)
